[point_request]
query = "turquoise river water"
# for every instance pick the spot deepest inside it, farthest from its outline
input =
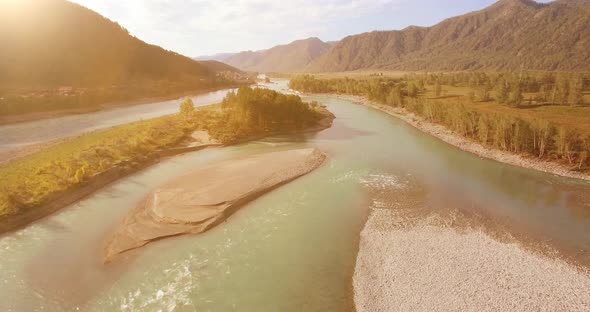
(292, 249)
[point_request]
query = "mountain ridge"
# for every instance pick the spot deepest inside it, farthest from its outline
(508, 35)
(289, 57)
(64, 43)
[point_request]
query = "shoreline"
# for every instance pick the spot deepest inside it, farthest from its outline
(449, 137)
(68, 197)
(404, 261)
(411, 265)
(29, 117)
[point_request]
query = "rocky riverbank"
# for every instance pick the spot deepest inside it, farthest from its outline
(423, 265)
(467, 145)
(413, 260)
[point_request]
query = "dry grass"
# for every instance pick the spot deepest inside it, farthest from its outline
(363, 74)
(560, 115)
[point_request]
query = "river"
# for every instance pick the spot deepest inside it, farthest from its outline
(20, 135)
(292, 249)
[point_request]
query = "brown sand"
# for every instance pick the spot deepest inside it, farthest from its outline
(202, 138)
(448, 136)
(200, 200)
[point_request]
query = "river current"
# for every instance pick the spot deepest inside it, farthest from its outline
(293, 249)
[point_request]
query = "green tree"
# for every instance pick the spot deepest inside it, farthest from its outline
(437, 89)
(576, 93)
(483, 92)
(412, 90)
(395, 97)
(563, 90)
(585, 149)
(515, 96)
(187, 108)
(80, 175)
(564, 141)
(502, 93)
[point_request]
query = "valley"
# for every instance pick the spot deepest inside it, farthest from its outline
(354, 156)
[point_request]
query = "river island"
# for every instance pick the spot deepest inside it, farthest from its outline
(206, 197)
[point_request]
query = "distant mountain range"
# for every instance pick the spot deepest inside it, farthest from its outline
(508, 35)
(291, 57)
(47, 43)
(215, 57)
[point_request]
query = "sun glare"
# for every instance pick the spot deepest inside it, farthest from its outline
(11, 9)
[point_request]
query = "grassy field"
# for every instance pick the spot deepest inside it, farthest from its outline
(560, 115)
(29, 181)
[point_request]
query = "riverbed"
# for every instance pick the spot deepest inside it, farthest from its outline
(293, 249)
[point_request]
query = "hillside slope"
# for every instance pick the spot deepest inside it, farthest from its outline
(217, 66)
(508, 35)
(284, 58)
(55, 42)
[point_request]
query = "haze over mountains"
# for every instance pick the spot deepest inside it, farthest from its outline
(508, 35)
(291, 57)
(63, 43)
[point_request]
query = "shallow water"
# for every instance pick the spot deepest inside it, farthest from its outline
(291, 250)
(19, 135)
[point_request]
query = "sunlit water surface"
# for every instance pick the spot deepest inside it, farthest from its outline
(292, 249)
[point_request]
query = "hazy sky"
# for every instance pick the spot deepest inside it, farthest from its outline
(201, 27)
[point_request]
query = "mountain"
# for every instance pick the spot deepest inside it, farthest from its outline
(218, 67)
(220, 57)
(508, 35)
(284, 58)
(48, 43)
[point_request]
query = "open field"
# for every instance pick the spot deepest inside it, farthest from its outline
(562, 115)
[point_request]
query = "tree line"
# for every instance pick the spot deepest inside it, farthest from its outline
(503, 131)
(516, 88)
(256, 110)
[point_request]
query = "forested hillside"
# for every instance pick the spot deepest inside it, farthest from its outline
(59, 55)
(55, 42)
(509, 35)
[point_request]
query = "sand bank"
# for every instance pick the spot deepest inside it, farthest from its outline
(197, 140)
(428, 267)
(202, 137)
(202, 199)
(98, 181)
